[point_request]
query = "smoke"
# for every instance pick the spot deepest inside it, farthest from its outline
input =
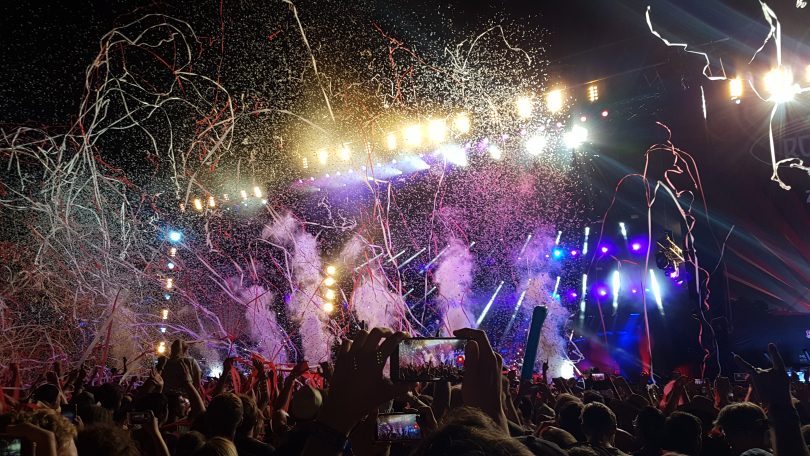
(376, 304)
(454, 276)
(305, 303)
(262, 324)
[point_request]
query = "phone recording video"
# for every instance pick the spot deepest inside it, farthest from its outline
(10, 446)
(424, 360)
(138, 419)
(398, 427)
(69, 412)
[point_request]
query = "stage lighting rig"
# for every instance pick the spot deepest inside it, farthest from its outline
(669, 256)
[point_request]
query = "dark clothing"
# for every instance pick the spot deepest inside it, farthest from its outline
(603, 451)
(247, 446)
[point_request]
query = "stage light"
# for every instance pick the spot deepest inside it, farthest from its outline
(636, 246)
(328, 307)
(572, 294)
(167, 296)
(161, 348)
(616, 285)
(170, 265)
(329, 294)
(557, 239)
(574, 252)
(601, 291)
(198, 204)
(164, 314)
(462, 123)
(535, 144)
(489, 304)
(623, 230)
(391, 141)
(557, 253)
(593, 93)
(673, 274)
(575, 137)
(583, 118)
(554, 100)
(524, 106)
(556, 287)
(584, 293)
(566, 369)
(656, 291)
(779, 83)
(305, 163)
(331, 270)
(329, 281)
(257, 191)
(163, 329)
(175, 236)
(454, 154)
(215, 371)
(735, 88)
(173, 252)
(634, 290)
(412, 135)
(604, 249)
(345, 152)
(169, 283)
(323, 156)
(605, 113)
(212, 202)
(243, 194)
(585, 242)
(495, 152)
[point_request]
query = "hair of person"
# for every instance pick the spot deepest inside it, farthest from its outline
(157, 403)
(470, 432)
(63, 430)
(177, 349)
(94, 414)
(564, 399)
(47, 394)
(223, 415)
(217, 446)
(598, 422)
(683, 432)
(649, 424)
(105, 440)
(250, 415)
(188, 443)
(742, 418)
(592, 396)
(568, 419)
(109, 395)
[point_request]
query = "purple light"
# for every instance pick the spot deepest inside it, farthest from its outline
(635, 291)
(602, 292)
(573, 294)
(604, 249)
(679, 283)
(574, 252)
(636, 246)
(673, 274)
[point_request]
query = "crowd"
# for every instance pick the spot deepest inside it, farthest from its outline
(255, 409)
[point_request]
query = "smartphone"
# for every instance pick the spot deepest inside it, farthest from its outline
(10, 446)
(398, 427)
(698, 381)
(139, 418)
(69, 412)
(598, 377)
(740, 377)
(428, 359)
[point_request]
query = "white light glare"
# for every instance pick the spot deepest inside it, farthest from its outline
(616, 284)
(585, 242)
(535, 144)
(567, 369)
(735, 88)
(593, 93)
(323, 156)
(623, 229)
(412, 135)
(345, 152)
(584, 293)
(524, 106)
(198, 204)
(779, 83)
(554, 101)
(437, 131)
(495, 152)
(462, 123)
(489, 304)
(454, 154)
(391, 141)
(257, 191)
(656, 291)
(215, 371)
(575, 137)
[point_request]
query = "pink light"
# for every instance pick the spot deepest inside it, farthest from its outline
(574, 295)
(636, 246)
(635, 291)
(583, 119)
(673, 274)
(574, 253)
(604, 113)
(604, 249)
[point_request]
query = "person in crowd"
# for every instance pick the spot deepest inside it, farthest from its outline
(683, 434)
(105, 440)
(599, 427)
(217, 446)
(223, 416)
(172, 372)
(649, 431)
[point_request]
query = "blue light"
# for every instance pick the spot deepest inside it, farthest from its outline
(170, 265)
(558, 253)
(175, 236)
(167, 296)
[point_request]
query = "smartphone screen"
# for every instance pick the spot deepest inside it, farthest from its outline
(598, 377)
(698, 381)
(69, 412)
(740, 377)
(139, 418)
(10, 447)
(398, 427)
(424, 360)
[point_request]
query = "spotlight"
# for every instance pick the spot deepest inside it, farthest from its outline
(163, 329)
(391, 141)
(636, 246)
(331, 270)
(604, 249)
(173, 252)
(557, 253)
(605, 113)
(175, 236)
(779, 83)
(574, 252)
(170, 265)
(735, 88)
(167, 296)
(623, 230)
(161, 348)
(257, 191)
(575, 137)
(656, 291)
(583, 118)
(602, 292)
(328, 307)
(524, 106)
(535, 144)
(329, 294)
(554, 100)
(169, 283)
(243, 194)
(164, 314)
(329, 281)
(437, 131)
(345, 152)
(212, 202)
(572, 294)
(593, 93)
(198, 204)
(462, 123)
(412, 135)
(305, 163)
(323, 156)
(494, 152)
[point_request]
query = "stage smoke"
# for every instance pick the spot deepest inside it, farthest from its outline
(454, 277)
(262, 324)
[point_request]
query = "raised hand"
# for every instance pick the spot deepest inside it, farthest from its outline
(771, 385)
(482, 385)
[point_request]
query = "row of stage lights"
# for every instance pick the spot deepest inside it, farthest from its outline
(437, 131)
(779, 83)
(328, 292)
(174, 237)
(211, 202)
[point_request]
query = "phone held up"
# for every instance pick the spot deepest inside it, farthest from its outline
(398, 427)
(428, 359)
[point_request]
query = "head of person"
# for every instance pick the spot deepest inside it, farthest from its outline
(47, 395)
(178, 349)
(50, 420)
(109, 396)
(94, 414)
(105, 440)
(649, 426)
(468, 431)
(592, 396)
(598, 424)
(188, 443)
(744, 426)
(684, 433)
(568, 419)
(251, 418)
(179, 405)
(217, 446)
(224, 415)
(157, 403)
